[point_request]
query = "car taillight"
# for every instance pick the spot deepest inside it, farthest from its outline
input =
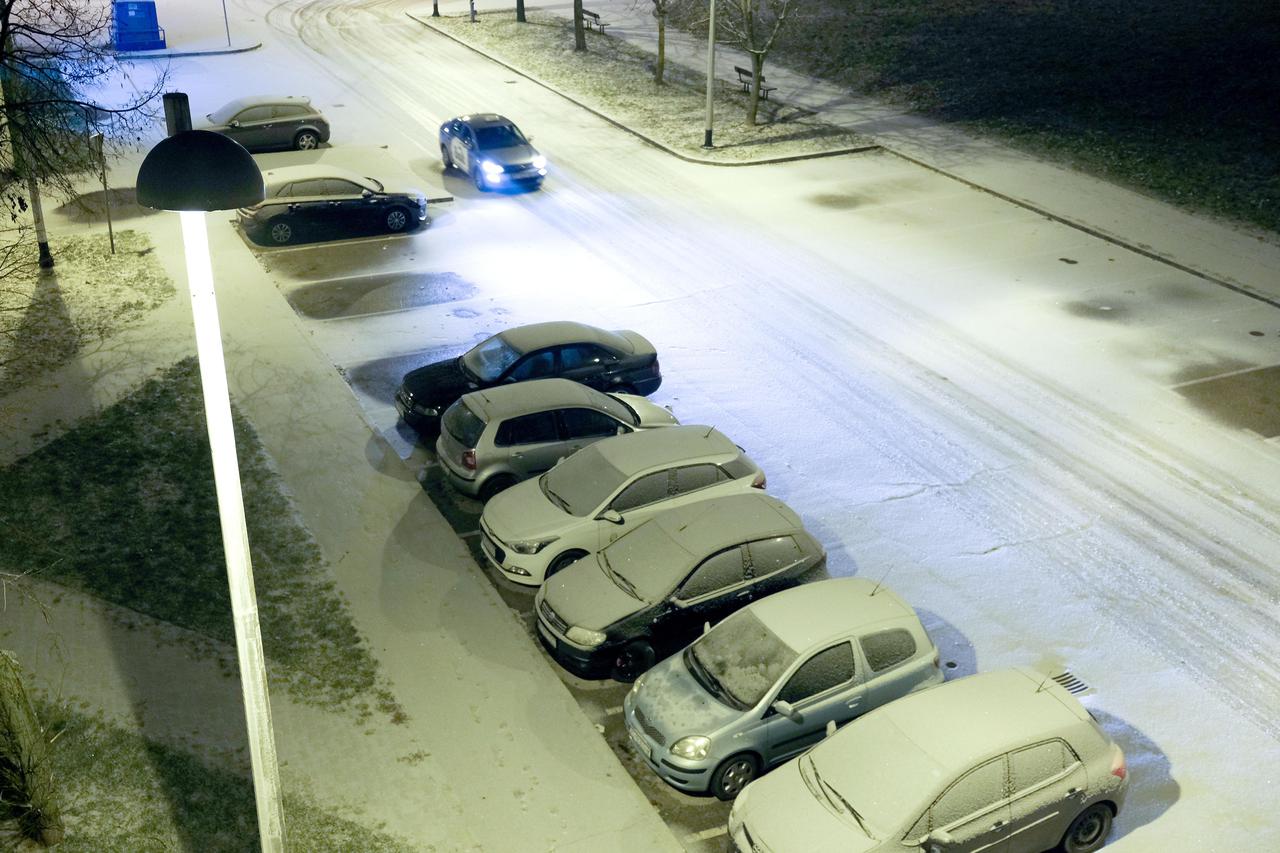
(469, 460)
(759, 482)
(1118, 768)
(654, 369)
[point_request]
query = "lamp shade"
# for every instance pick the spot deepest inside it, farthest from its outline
(199, 170)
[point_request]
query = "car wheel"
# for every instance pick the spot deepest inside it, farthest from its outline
(397, 219)
(733, 774)
(496, 484)
(306, 140)
(563, 560)
(477, 177)
(633, 661)
(1088, 831)
(281, 231)
(445, 158)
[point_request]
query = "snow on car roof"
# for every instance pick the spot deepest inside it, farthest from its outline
(705, 527)
(485, 119)
(538, 335)
(535, 395)
(288, 174)
(813, 612)
(636, 451)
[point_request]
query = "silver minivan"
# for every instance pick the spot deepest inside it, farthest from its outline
(761, 687)
(494, 438)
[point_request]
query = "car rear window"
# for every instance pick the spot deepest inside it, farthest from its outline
(738, 467)
(887, 648)
(463, 424)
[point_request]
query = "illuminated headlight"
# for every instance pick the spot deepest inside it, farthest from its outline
(531, 546)
(693, 748)
(491, 168)
(585, 637)
(539, 162)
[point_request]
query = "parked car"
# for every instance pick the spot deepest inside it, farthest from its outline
(270, 121)
(1005, 761)
(490, 440)
(617, 611)
(492, 150)
(322, 200)
(621, 361)
(536, 528)
(760, 687)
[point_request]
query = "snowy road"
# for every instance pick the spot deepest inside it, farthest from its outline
(1060, 451)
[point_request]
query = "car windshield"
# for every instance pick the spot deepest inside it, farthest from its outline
(648, 559)
(487, 359)
(582, 481)
(498, 136)
(742, 657)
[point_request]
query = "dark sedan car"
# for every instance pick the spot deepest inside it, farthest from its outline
(270, 121)
(623, 362)
(492, 150)
(324, 201)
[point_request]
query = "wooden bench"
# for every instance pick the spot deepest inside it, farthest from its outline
(592, 19)
(745, 77)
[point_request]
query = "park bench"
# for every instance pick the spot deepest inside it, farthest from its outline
(593, 19)
(745, 77)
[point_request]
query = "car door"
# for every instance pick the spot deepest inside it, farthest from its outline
(529, 444)
(772, 563)
(251, 127)
(306, 203)
(973, 810)
(715, 588)
(461, 146)
(345, 205)
(823, 688)
(1049, 784)
(540, 364)
(581, 426)
(288, 118)
(586, 363)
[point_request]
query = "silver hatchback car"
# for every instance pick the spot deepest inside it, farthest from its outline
(494, 438)
(760, 687)
(270, 121)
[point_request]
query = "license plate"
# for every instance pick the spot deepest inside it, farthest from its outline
(640, 745)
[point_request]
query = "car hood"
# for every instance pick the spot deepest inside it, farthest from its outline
(585, 596)
(651, 414)
(783, 815)
(672, 700)
(516, 155)
(438, 384)
(523, 512)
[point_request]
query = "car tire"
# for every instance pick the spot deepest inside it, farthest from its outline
(306, 140)
(734, 774)
(282, 231)
(565, 559)
(445, 158)
(493, 485)
(1089, 831)
(633, 661)
(477, 178)
(397, 220)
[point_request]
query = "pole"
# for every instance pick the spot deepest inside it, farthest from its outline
(225, 23)
(435, 8)
(97, 148)
(37, 214)
(711, 73)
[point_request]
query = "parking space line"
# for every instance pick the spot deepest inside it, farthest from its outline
(468, 534)
(706, 834)
(611, 711)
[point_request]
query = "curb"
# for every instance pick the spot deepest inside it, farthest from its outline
(168, 54)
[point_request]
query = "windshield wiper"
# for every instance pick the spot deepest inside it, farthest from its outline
(832, 792)
(621, 582)
(714, 686)
(555, 499)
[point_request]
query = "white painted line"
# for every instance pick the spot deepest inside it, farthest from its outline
(469, 534)
(706, 834)
(611, 711)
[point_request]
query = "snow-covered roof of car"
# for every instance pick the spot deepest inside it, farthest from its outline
(814, 612)
(538, 335)
(484, 119)
(704, 527)
(636, 451)
(230, 108)
(535, 395)
(288, 174)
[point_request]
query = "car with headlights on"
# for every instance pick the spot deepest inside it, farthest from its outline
(327, 201)
(615, 612)
(761, 686)
(492, 150)
(620, 361)
(536, 528)
(270, 121)
(1002, 761)
(492, 439)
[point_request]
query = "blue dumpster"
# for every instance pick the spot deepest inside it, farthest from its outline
(136, 27)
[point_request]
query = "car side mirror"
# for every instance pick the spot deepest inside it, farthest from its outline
(612, 516)
(785, 708)
(235, 123)
(940, 840)
(622, 431)
(366, 192)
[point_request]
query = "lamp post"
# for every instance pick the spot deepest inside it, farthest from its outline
(193, 172)
(711, 72)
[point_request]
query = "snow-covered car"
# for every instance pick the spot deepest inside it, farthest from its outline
(615, 612)
(622, 361)
(1005, 760)
(492, 150)
(492, 439)
(536, 528)
(270, 121)
(321, 200)
(760, 687)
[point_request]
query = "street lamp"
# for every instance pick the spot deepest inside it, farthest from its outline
(193, 172)
(711, 72)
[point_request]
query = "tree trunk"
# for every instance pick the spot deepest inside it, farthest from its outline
(662, 49)
(579, 31)
(520, 11)
(26, 780)
(757, 71)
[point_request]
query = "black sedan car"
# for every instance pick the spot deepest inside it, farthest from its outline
(622, 361)
(326, 201)
(492, 150)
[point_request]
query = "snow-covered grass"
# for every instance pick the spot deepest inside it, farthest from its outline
(123, 507)
(617, 80)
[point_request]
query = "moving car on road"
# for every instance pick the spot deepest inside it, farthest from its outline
(492, 150)
(1006, 761)
(490, 440)
(536, 528)
(270, 121)
(622, 361)
(761, 687)
(617, 611)
(319, 201)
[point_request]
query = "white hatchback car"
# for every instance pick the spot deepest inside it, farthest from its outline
(1002, 761)
(536, 528)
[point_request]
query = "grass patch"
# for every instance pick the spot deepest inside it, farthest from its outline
(616, 79)
(48, 317)
(122, 792)
(123, 507)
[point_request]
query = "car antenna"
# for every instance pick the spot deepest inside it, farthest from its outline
(880, 582)
(710, 430)
(1047, 676)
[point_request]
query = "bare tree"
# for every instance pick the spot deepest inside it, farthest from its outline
(579, 30)
(753, 26)
(661, 8)
(520, 12)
